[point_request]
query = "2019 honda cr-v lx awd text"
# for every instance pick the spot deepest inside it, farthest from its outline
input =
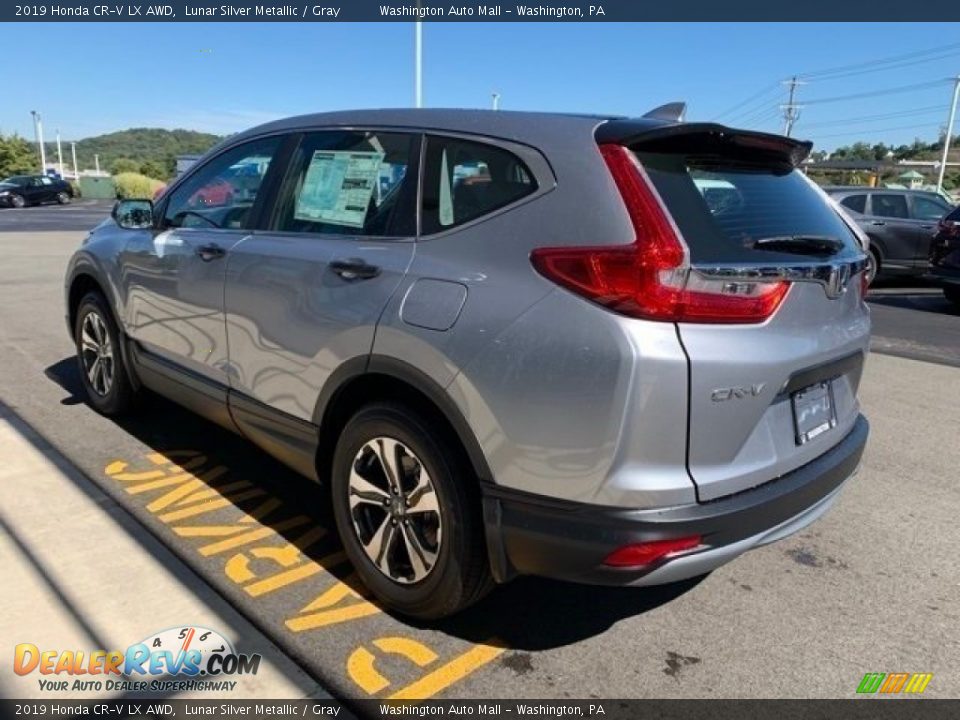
(608, 350)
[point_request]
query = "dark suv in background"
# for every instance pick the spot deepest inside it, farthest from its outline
(899, 223)
(945, 257)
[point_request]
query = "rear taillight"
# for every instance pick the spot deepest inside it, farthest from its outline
(648, 553)
(650, 278)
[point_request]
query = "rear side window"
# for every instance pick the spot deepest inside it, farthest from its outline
(463, 180)
(723, 206)
(927, 208)
(891, 206)
(857, 203)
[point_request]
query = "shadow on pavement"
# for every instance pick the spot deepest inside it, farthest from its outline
(526, 614)
(181, 573)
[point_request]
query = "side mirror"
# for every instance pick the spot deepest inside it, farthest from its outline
(133, 214)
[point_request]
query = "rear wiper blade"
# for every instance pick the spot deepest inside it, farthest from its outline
(800, 244)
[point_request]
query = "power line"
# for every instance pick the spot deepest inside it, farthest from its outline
(880, 61)
(878, 65)
(877, 130)
(770, 114)
(763, 93)
(873, 118)
(875, 93)
(884, 68)
(752, 115)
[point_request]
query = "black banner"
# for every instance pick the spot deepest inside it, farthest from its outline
(471, 11)
(874, 708)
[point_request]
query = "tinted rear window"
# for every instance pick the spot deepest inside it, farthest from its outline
(857, 203)
(723, 206)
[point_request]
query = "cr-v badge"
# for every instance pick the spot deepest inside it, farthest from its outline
(737, 392)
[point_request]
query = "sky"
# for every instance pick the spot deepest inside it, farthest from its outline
(90, 78)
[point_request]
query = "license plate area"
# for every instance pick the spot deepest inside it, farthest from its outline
(814, 411)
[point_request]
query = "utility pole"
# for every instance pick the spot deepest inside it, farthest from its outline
(418, 65)
(59, 154)
(946, 138)
(76, 169)
(38, 136)
(496, 100)
(791, 111)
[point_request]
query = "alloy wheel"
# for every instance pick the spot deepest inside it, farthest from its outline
(395, 510)
(96, 354)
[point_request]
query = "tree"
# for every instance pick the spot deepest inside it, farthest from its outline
(153, 169)
(123, 165)
(17, 156)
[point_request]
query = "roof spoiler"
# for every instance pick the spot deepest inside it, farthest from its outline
(671, 112)
(705, 138)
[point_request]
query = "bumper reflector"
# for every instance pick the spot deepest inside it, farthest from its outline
(647, 553)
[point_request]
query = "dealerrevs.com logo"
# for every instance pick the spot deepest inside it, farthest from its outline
(173, 660)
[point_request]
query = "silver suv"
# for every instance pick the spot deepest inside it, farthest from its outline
(609, 350)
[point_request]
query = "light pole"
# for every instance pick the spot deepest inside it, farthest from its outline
(76, 169)
(418, 65)
(946, 138)
(38, 136)
(59, 154)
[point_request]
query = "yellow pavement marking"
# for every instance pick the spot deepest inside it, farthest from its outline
(446, 675)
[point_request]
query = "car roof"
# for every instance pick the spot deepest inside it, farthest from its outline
(508, 124)
(879, 191)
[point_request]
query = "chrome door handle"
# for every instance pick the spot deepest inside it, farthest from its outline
(354, 269)
(210, 252)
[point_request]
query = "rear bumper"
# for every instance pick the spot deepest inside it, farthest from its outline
(534, 535)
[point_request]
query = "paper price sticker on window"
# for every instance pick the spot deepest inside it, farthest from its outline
(338, 187)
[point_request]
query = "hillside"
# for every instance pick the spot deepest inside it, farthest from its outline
(138, 144)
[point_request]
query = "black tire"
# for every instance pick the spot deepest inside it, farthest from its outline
(63, 197)
(952, 294)
(460, 575)
(875, 264)
(18, 201)
(118, 396)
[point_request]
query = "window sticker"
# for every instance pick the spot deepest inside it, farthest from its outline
(338, 187)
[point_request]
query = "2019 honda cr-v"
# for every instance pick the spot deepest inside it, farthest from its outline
(609, 350)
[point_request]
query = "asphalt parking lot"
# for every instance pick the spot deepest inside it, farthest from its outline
(873, 586)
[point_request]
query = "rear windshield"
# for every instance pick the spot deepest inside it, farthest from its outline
(723, 207)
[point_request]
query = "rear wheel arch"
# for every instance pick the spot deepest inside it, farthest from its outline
(381, 379)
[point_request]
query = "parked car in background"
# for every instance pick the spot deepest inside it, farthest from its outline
(945, 257)
(607, 350)
(899, 223)
(22, 190)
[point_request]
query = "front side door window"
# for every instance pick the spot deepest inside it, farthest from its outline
(222, 193)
